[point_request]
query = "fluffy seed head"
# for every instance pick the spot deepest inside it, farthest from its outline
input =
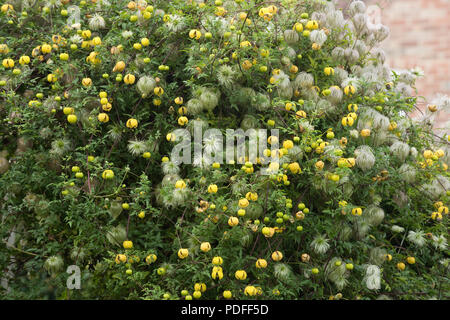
(365, 159)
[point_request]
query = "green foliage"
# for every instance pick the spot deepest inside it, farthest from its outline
(366, 187)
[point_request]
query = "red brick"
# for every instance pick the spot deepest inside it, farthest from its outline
(420, 36)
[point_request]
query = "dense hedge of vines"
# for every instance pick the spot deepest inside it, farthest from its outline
(91, 96)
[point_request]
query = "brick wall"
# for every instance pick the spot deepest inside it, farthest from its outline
(420, 36)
